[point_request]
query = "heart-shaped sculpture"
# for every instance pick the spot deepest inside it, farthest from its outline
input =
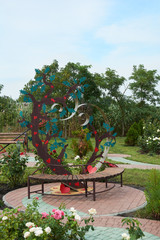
(48, 160)
(77, 184)
(64, 189)
(91, 169)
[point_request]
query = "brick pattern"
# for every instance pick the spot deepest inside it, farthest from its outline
(116, 200)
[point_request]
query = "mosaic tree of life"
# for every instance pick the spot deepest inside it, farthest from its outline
(50, 110)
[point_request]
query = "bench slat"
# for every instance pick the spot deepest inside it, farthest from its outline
(12, 141)
(13, 138)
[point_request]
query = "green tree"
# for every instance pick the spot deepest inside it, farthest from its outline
(8, 112)
(70, 72)
(1, 86)
(112, 82)
(77, 71)
(144, 85)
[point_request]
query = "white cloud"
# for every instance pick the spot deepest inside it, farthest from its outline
(142, 30)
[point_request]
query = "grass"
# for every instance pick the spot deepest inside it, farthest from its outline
(134, 151)
(137, 177)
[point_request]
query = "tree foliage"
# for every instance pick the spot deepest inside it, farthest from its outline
(103, 91)
(144, 85)
(8, 111)
(111, 82)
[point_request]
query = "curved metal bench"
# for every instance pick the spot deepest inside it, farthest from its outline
(92, 177)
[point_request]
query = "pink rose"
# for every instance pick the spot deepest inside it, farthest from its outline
(58, 214)
(62, 213)
(44, 214)
(37, 198)
(54, 210)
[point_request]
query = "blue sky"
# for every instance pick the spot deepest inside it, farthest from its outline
(102, 33)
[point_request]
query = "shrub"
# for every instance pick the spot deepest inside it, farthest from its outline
(17, 225)
(132, 135)
(81, 146)
(149, 142)
(140, 127)
(152, 194)
(13, 166)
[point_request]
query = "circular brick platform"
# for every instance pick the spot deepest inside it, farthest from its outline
(115, 201)
(108, 204)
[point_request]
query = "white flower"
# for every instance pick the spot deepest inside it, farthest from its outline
(125, 236)
(32, 229)
(4, 218)
(92, 211)
(26, 234)
(47, 230)
(38, 231)
(77, 157)
(72, 210)
(77, 217)
(29, 224)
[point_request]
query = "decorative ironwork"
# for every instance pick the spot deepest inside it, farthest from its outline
(48, 111)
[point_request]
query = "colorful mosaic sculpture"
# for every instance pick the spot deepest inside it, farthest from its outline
(49, 110)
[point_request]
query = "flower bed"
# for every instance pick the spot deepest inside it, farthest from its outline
(31, 225)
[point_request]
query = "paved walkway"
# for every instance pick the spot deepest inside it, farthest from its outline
(108, 205)
(129, 163)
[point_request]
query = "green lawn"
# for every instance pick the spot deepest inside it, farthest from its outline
(137, 177)
(134, 151)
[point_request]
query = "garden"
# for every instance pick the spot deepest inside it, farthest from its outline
(136, 125)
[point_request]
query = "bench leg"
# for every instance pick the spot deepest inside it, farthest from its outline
(42, 188)
(121, 180)
(85, 184)
(28, 184)
(106, 180)
(94, 191)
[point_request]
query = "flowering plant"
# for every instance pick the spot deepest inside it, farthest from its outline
(149, 142)
(13, 166)
(32, 225)
(133, 228)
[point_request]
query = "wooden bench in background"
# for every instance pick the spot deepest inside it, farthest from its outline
(13, 138)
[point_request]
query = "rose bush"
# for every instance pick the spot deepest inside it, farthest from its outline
(149, 142)
(133, 227)
(13, 166)
(32, 225)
